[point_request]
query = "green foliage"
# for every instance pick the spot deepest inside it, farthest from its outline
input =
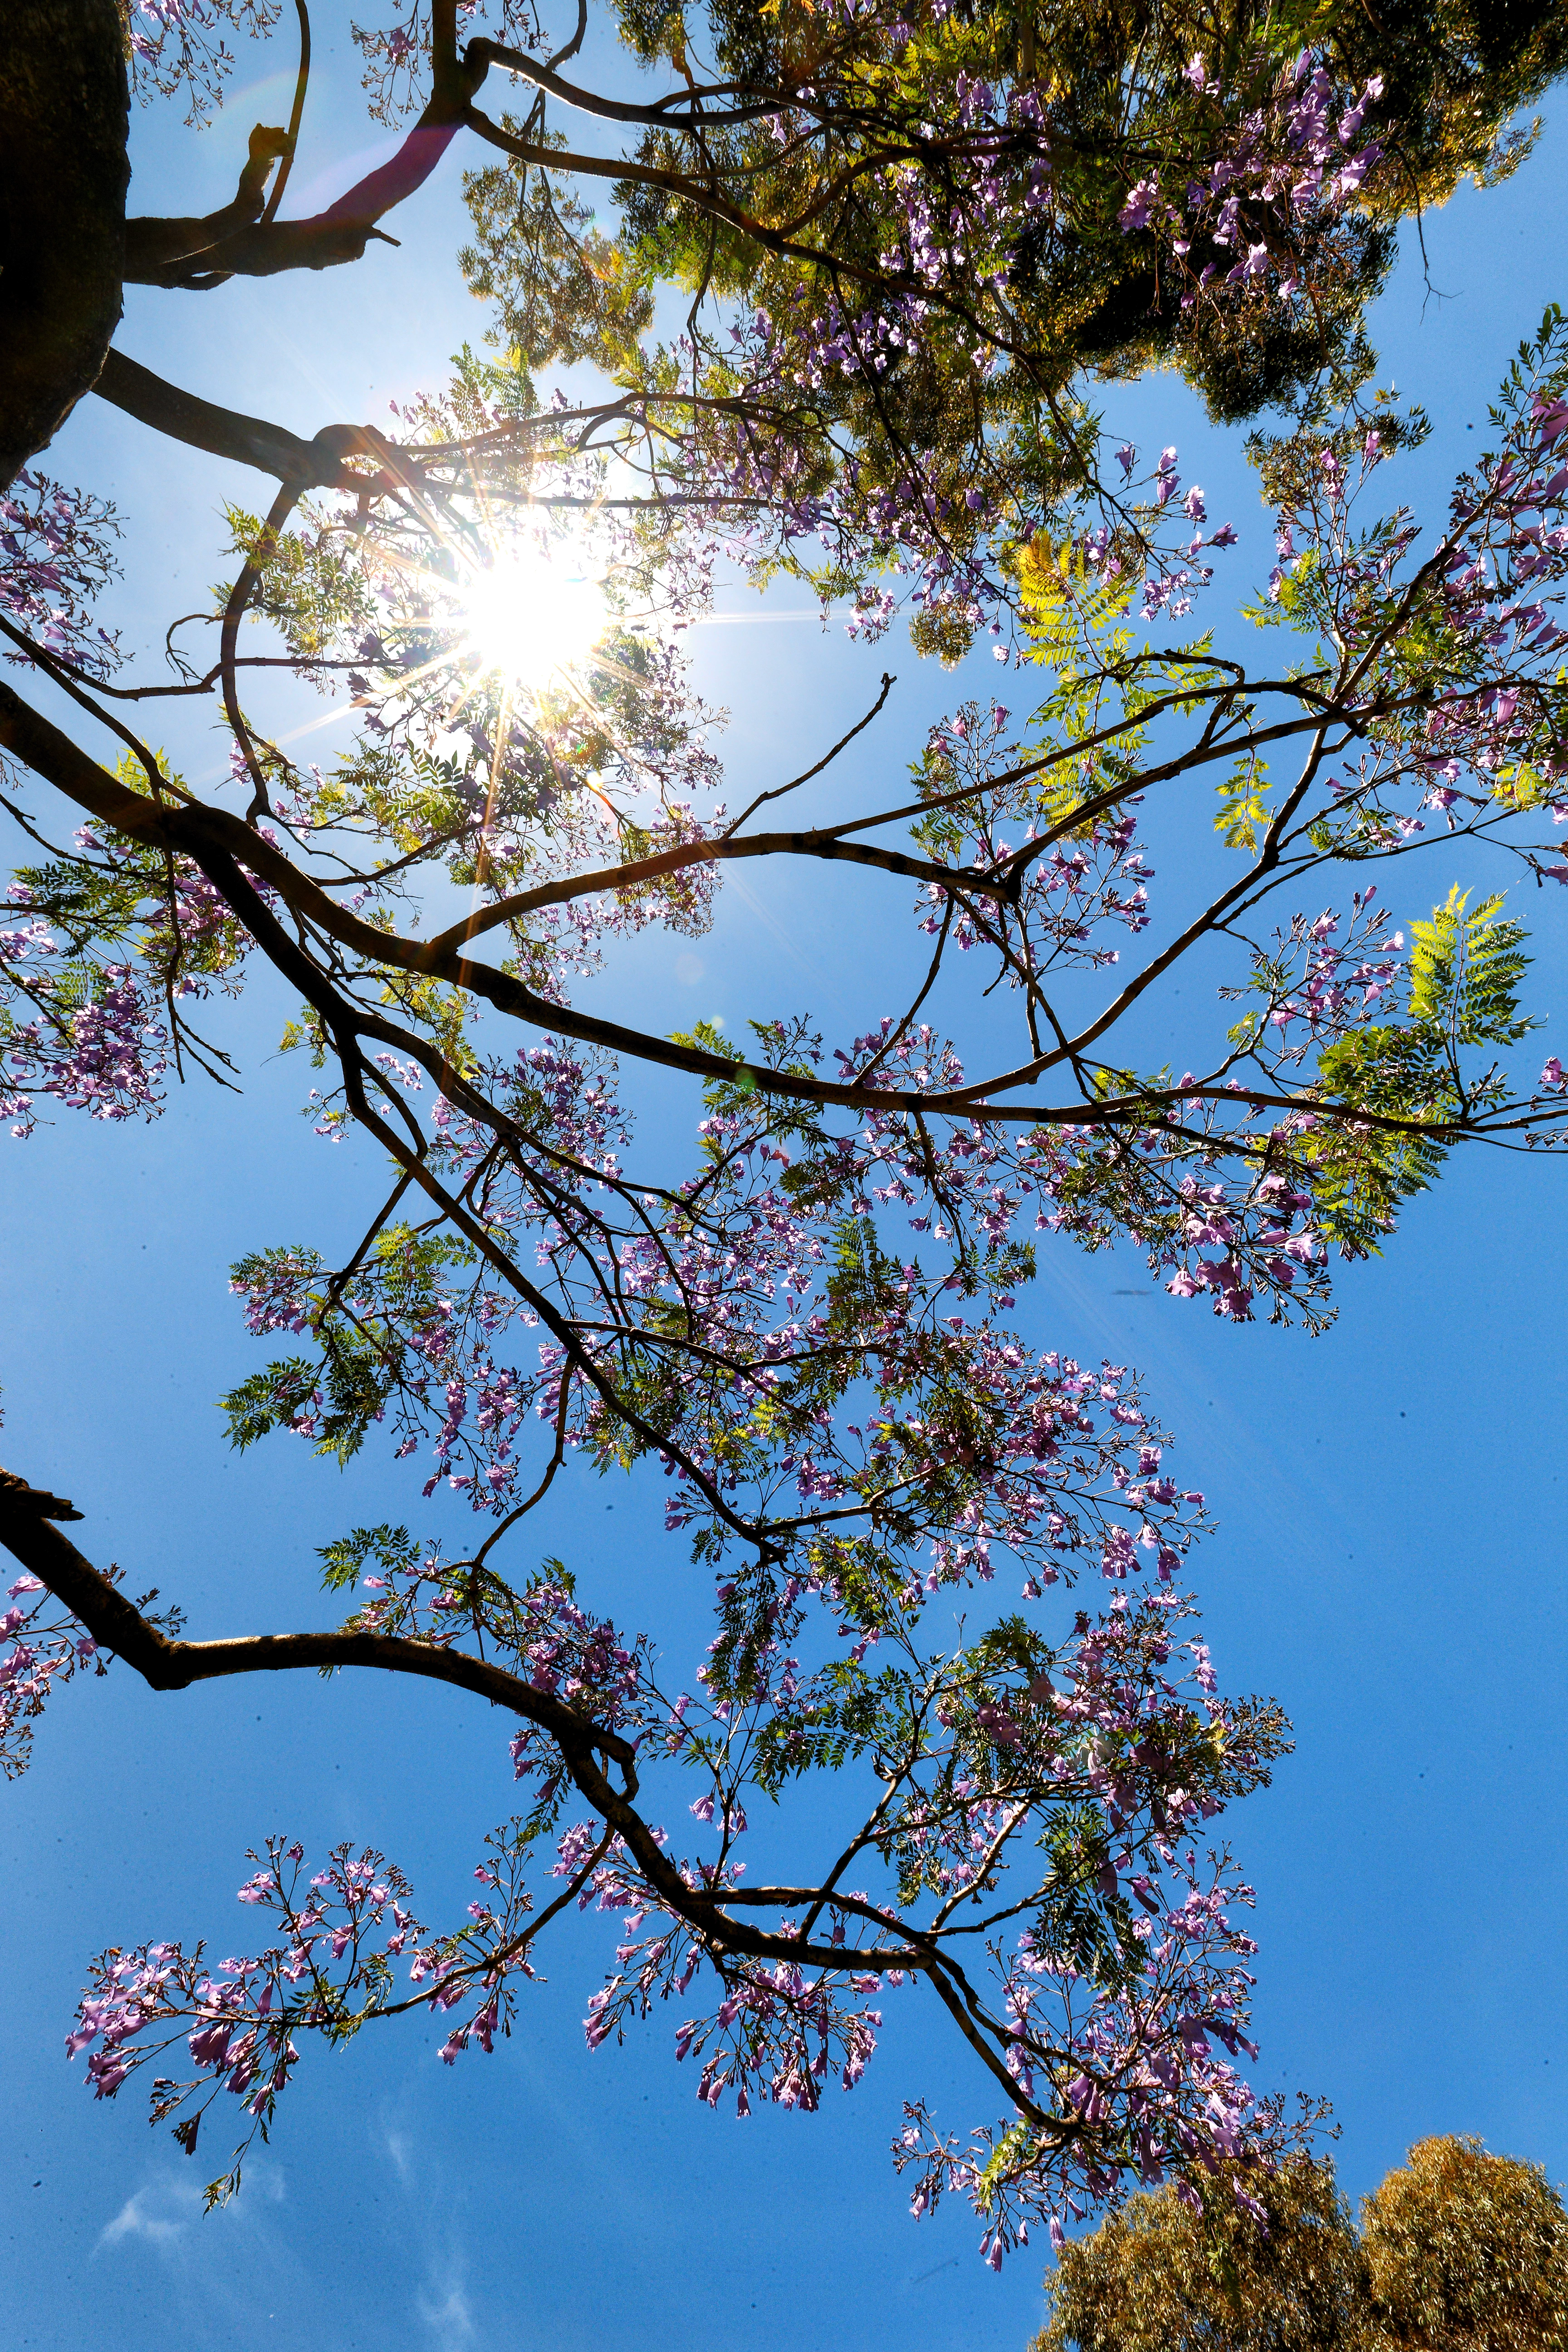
(1082, 296)
(1075, 1915)
(339, 1397)
(312, 584)
(1466, 967)
(1466, 2248)
(728, 223)
(1457, 2248)
(564, 290)
(117, 898)
(268, 1400)
(1093, 731)
(1465, 972)
(1242, 811)
(391, 1550)
(1158, 2277)
(484, 390)
(847, 1715)
(358, 1321)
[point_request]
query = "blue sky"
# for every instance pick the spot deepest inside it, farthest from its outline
(1387, 1560)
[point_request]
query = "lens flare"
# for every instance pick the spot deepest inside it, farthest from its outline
(531, 614)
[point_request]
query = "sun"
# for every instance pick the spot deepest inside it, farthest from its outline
(531, 614)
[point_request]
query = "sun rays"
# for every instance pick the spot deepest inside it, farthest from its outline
(532, 615)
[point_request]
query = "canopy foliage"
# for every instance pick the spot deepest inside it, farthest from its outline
(907, 252)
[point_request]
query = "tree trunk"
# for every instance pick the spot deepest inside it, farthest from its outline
(64, 120)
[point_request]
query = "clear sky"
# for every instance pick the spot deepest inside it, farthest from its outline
(1390, 1499)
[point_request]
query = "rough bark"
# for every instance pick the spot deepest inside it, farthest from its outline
(64, 120)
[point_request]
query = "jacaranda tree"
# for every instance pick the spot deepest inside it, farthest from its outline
(902, 246)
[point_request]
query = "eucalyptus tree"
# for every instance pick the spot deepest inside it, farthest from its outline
(1454, 2247)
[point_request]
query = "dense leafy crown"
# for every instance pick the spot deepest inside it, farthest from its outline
(906, 247)
(1455, 2248)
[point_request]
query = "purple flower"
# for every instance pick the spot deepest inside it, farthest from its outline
(1135, 213)
(210, 2047)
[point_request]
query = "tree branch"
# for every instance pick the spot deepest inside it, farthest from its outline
(116, 1624)
(315, 465)
(244, 241)
(211, 835)
(659, 117)
(153, 246)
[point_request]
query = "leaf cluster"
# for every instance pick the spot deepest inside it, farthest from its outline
(1466, 967)
(1455, 2248)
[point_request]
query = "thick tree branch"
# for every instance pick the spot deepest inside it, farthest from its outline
(248, 241)
(116, 1624)
(153, 246)
(209, 835)
(256, 245)
(305, 464)
(755, 106)
(720, 852)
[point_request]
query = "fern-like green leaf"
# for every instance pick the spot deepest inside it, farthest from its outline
(1466, 967)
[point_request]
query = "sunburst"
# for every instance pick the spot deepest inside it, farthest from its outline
(533, 613)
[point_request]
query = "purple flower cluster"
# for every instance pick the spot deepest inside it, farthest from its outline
(343, 1931)
(57, 552)
(1302, 153)
(177, 47)
(39, 1655)
(105, 1055)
